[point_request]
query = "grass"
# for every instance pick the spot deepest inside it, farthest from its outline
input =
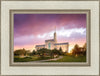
(70, 58)
(28, 59)
(67, 58)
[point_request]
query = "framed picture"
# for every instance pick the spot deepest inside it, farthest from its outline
(57, 42)
(50, 38)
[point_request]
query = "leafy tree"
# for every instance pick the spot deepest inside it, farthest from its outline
(34, 52)
(85, 48)
(79, 50)
(76, 47)
(20, 52)
(60, 51)
(54, 52)
(75, 50)
(42, 52)
(28, 52)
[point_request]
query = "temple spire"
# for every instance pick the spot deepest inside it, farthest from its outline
(55, 38)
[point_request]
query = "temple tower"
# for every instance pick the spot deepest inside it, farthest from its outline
(55, 38)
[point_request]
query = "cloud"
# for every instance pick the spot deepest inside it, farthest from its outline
(34, 29)
(46, 35)
(69, 32)
(28, 24)
(64, 33)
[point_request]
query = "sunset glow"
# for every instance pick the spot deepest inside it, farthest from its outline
(34, 29)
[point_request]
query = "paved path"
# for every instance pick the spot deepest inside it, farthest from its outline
(60, 57)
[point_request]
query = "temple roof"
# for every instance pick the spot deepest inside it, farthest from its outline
(61, 43)
(40, 45)
(49, 40)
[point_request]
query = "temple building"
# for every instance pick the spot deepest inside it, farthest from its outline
(52, 44)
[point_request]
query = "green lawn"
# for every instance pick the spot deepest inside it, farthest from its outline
(71, 59)
(27, 59)
(67, 58)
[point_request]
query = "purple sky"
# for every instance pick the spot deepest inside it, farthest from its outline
(32, 29)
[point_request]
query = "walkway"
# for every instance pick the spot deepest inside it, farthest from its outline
(60, 57)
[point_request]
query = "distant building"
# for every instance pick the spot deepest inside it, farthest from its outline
(52, 44)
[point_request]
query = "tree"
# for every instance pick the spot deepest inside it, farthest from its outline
(42, 52)
(54, 52)
(28, 52)
(85, 48)
(79, 50)
(20, 52)
(75, 50)
(33, 52)
(60, 51)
